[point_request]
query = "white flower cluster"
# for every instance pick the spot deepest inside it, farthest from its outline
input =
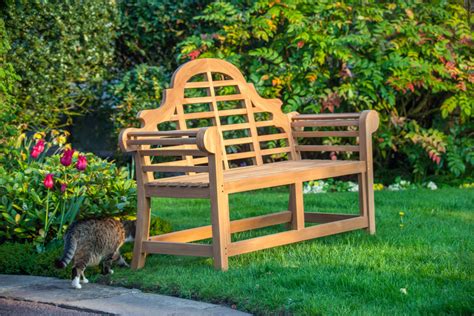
(431, 185)
(353, 187)
(401, 185)
(315, 187)
(321, 186)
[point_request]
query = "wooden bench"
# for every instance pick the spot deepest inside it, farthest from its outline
(238, 152)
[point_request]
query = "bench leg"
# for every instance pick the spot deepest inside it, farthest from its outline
(366, 200)
(220, 229)
(296, 206)
(142, 231)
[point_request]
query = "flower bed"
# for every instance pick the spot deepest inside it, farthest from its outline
(45, 185)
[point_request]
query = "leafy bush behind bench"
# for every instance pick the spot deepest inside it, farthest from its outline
(410, 61)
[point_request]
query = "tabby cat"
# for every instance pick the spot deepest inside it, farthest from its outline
(91, 241)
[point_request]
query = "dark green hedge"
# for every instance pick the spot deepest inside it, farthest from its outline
(62, 51)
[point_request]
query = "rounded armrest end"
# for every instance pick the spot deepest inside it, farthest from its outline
(208, 139)
(370, 119)
(122, 140)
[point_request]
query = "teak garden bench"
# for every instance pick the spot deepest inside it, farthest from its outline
(243, 128)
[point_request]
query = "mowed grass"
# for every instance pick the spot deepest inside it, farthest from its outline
(430, 257)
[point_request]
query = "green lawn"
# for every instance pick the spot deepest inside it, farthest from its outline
(431, 257)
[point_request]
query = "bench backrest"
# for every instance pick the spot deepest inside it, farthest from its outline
(213, 92)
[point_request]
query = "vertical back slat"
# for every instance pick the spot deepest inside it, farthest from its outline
(183, 127)
(253, 132)
(217, 120)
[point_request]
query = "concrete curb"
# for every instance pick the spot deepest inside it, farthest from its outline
(103, 298)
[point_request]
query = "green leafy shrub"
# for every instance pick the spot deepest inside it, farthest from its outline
(149, 30)
(36, 211)
(8, 79)
(139, 89)
(19, 258)
(62, 51)
(409, 61)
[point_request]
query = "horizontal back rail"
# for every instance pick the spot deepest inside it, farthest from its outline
(206, 84)
(319, 134)
(195, 161)
(171, 152)
(311, 123)
(327, 148)
(331, 116)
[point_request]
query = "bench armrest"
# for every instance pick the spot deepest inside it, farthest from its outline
(131, 139)
(204, 141)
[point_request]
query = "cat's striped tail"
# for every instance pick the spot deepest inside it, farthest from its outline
(70, 245)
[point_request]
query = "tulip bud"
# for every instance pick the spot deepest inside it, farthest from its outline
(63, 187)
(66, 158)
(40, 145)
(34, 153)
(37, 149)
(48, 181)
(81, 162)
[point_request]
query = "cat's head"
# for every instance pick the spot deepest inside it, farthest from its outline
(129, 227)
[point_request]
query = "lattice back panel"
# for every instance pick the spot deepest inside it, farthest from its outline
(211, 92)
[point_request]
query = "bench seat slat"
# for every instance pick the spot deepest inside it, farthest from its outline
(267, 175)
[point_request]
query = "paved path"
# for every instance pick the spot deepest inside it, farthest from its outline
(9, 307)
(96, 298)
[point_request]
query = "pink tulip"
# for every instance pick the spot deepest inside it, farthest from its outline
(37, 149)
(66, 158)
(35, 153)
(63, 187)
(81, 162)
(48, 181)
(40, 145)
